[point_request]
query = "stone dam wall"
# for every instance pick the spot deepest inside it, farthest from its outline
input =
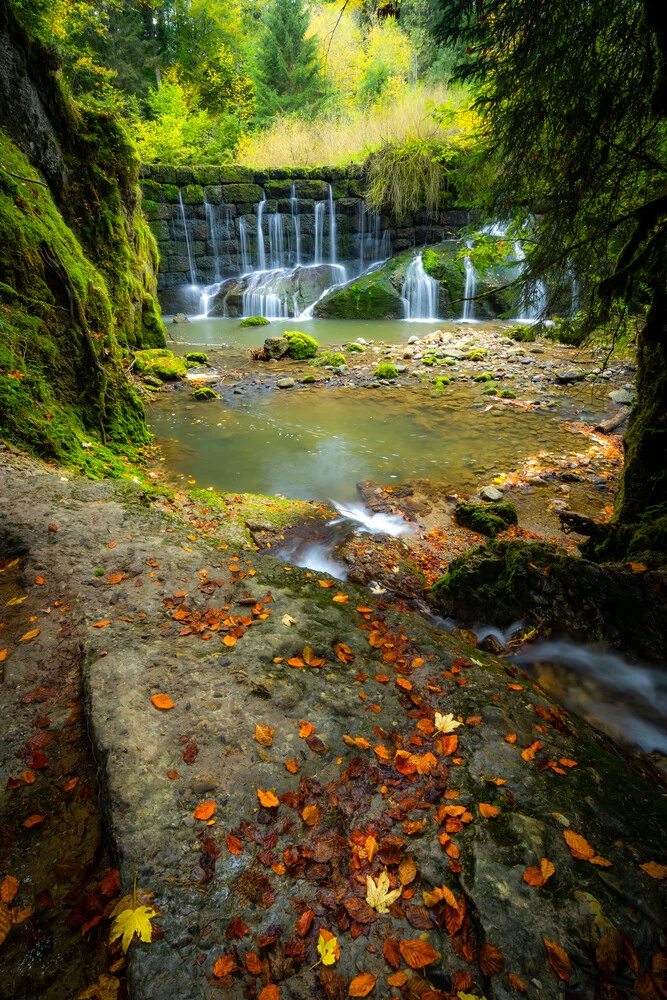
(205, 221)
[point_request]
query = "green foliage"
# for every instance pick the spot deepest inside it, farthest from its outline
(522, 334)
(301, 345)
(334, 358)
(254, 321)
(486, 519)
(288, 76)
(408, 176)
(386, 370)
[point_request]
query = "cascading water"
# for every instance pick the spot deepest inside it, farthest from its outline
(275, 221)
(266, 294)
(420, 292)
(332, 227)
(261, 253)
(245, 246)
(296, 223)
(209, 211)
(193, 272)
(469, 291)
(319, 232)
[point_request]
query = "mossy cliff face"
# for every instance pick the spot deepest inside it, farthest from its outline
(77, 269)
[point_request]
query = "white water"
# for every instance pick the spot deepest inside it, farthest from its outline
(319, 232)
(264, 296)
(276, 240)
(469, 291)
(419, 291)
(212, 235)
(261, 253)
(193, 273)
(245, 246)
(296, 223)
(313, 555)
(627, 700)
(332, 227)
(374, 524)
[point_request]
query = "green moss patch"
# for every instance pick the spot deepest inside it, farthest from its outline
(301, 345)
(386, 370)
(254, 321)
(196, 357)
(486, 519)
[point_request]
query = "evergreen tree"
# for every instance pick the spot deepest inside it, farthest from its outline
(288, 75)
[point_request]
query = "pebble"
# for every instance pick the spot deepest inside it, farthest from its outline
(285, 383)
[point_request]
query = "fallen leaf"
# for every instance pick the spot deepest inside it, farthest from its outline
(33, 820)
(488, 811)
(204, 810)
(162, 701)
(304, 922)
(30, 635)
(538, 876)
(310, 815)
(327, 947)
(39, 580)
(8, 889)
(69, 785)
(252, 963)
(510, 738)
(288, 620)
(655, 870)
(234, 845)
(517, 984)
(397, 979)
(446, 723)
(230, 640)
(361, 985)
(559, 960)
(407, 871)
(130, 922)
(102, 624)
(391, 952)
(267, 799)
(491, 959)
(326, 583)
(579, 846)
(378, 895)
(417, 953)
(264, 735)
(223, 966)
(3, 655)
(114, 578)
(341, 598)
(291, 766)
(270, 992)
(307, 729)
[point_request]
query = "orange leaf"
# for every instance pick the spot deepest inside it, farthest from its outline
(579, 846)
(295, 661)
(69, 785)
(397, 979)
(491, 959)
(517, 984)
(655, 870)
(252, 963)
(3, 655)
(30, 635)
(307, 729)
(417, 953)
(162, 701)
(310, 815)
(39, 580)
(270, 992)
(234, 845)
(510, 738)
(230, 640)
(326, 583)
(304, 922)
(113, 578)
(601, 862)
(382, 753)
(404, 684)
(102, 624)
(223, 966)
(264, 735)
(559, 960)
(292, 766)
(204, 810)
(173, 775)
(267, 799)
(407, 871)
(9, 889)
(33, 820)
(341, 598)
(488, 811)
(361, 985)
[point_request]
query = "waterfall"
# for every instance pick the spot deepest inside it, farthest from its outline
(193, 273)
(319, 232)
(362, 224)
(534, 296)
(264, 295)
(332, 227)
(296, 223)
(275, 221)
(245, 249)
(420, 292)
(209, 212)
(261, 254)
(469, 291)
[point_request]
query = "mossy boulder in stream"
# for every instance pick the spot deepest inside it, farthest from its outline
(161, 363)
(254, 321)
(371, 296)
(301, 345)
(488, 518)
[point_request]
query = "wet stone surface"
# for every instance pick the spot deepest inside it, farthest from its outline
(467, 806)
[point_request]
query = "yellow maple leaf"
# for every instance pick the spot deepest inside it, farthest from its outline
(445, 723)
(327, 950)
(377, 895)
(133, 921)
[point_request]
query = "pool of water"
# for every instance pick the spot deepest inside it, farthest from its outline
(318, 443)
(326, 331)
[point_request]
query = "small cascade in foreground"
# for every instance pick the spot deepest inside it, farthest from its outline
(209, 212)
(267, 295)
(193, 272)
(420, 292)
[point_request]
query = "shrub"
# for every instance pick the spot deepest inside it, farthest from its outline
(408, 175)
(385, 370)
(301, 345)
(198, 357)
(254, 321)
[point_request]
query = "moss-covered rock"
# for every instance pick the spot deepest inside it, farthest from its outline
(355, 348)
(162, 364)
(334, 358)
(254, 321)
(486, 519)
(507, 394)
(197, 357)
(372, 296)
(308, 379)
(484, 377)
(301, 345)
(204, 392)
(386, 370)
(477, 354)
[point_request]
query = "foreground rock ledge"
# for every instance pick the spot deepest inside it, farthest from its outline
(471, 809)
